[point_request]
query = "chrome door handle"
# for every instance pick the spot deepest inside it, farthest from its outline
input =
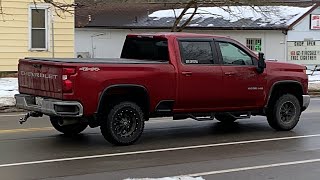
(229, 73)
(187, 73)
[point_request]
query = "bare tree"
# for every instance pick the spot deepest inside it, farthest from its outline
(190, 8)
(191, 3)
(180, 21)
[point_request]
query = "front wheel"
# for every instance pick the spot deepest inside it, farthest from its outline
(124, 124)
(71, 129)
(284, 115)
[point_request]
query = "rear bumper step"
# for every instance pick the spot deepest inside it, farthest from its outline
(50, 107)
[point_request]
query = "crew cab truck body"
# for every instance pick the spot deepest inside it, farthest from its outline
(177, 75)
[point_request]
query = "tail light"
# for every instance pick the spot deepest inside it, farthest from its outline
(67, 85)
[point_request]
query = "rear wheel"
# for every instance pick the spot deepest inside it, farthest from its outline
(123, 124)
(72, 129)
(284, 115)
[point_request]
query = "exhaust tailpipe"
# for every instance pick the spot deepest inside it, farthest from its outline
(65, 122)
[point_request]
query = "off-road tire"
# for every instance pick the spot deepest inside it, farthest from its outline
(123, 124)
(284, 115)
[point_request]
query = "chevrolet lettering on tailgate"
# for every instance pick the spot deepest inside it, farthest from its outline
(38, 75)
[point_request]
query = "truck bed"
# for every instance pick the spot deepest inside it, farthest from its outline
(98, 60)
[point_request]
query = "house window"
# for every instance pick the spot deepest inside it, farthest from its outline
(254, 44)
(38, 28)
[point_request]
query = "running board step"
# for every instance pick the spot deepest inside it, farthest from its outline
(248, 115)
(211, 118)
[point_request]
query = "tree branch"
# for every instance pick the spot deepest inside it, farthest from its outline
(189, 19)
(178, 20)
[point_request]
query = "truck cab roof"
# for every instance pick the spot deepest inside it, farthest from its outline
(176, 34)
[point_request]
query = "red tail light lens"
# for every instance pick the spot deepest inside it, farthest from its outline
(67, 85)
(68, 71)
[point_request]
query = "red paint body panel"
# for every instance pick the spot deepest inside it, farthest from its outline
(277, 71)
(159, 80)
(236, 83)
(31, 82)
(193, 88)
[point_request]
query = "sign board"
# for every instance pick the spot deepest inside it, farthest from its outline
(257, 47)
(315, 22)
(304, 52)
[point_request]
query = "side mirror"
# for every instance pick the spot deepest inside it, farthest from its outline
(261, 63)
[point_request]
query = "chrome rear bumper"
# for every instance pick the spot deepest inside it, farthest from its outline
(50, 107)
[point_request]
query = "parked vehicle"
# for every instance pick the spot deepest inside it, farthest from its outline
(177, 75)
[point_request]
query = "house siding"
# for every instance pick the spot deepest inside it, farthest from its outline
(14, 34)
(302, 32)
(110, 44)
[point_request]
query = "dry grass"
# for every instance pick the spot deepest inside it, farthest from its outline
(8, 74)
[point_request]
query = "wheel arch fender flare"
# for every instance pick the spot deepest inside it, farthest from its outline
(105, 92)
(279, 83)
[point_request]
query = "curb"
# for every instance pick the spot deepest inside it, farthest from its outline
(314, 93)
(10, 109)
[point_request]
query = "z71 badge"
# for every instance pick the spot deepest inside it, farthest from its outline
(255, 88)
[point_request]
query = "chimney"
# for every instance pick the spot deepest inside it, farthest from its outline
(148, 13)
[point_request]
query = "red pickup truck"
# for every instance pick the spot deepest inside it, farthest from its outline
(177, 75)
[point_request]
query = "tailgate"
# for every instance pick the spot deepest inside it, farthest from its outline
(40, 78)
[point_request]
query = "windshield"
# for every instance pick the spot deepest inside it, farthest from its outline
(146, 49)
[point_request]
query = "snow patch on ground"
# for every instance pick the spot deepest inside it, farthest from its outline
(172, 178)
(8, 88)
(265, 14)
(314, 80)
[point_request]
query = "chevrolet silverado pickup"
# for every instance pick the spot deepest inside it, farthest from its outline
(178, 75)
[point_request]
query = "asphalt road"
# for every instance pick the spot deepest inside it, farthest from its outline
(246, 150)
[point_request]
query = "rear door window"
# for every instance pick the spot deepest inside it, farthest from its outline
(194, 52)
(146, 49)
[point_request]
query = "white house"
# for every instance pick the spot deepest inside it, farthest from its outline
(284, 33)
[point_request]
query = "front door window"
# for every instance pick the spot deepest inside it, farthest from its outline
(232, 55)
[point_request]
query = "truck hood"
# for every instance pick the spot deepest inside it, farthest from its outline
(282, 66)
(280, 71)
